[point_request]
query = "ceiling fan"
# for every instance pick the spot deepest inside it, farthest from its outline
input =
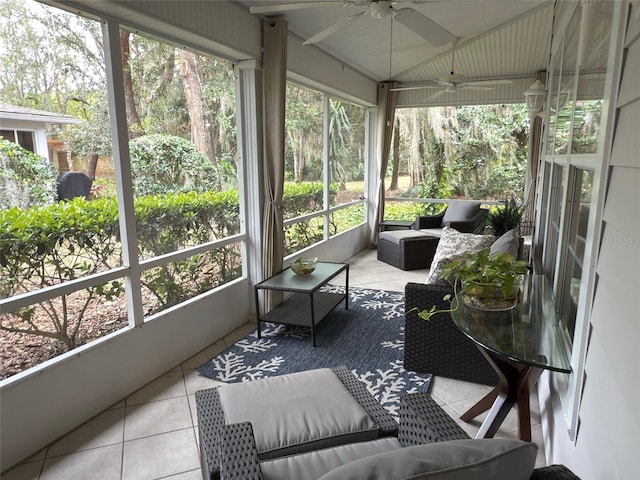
(423, 26)
(452, 82)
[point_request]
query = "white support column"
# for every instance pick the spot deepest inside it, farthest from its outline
(326, 174)
(124, 184)
(250, 165)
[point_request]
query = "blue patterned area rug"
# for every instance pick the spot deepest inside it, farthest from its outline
(368, 338)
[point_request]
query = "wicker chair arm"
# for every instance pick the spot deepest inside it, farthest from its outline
(429, 221)
(238, 453)
(386, 424)
(422, 421)
(553, 472)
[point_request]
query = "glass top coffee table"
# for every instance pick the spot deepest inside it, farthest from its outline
(307, 305)
(519, 344)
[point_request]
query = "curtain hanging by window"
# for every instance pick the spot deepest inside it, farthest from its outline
(274, 34)
(387, 100)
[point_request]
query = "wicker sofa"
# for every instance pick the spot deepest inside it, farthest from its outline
(422, 423)
(437, 346)
(414, 249)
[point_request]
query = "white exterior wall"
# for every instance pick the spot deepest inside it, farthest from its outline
(609, 422)
(38, 129)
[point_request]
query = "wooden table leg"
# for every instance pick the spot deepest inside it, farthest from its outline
(515, 382)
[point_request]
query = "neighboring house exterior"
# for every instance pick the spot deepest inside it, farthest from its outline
(28, 128)
(591, 427)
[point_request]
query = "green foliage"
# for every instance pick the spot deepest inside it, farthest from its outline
(26, 179)
(410, 210)
(164, 163)
(45, 246)
(505, 217)
(483, 273)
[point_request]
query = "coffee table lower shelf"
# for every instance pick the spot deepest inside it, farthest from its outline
(297, 310)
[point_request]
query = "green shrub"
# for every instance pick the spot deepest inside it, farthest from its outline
(164, 163)
(26, 179)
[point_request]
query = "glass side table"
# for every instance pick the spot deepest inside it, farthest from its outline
(307, 306)
(519, 344)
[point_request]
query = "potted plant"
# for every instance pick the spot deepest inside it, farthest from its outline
(506, 217)
(487, 282)
(484, 282)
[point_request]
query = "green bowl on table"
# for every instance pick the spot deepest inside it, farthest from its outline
(304, 266)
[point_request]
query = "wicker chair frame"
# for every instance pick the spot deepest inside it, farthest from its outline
(211, 419)
(422, 421)
(436, 345)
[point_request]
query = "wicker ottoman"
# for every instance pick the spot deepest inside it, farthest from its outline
(407, 249)
(291, 414)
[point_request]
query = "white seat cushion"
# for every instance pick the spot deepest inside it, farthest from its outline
(312, 465)
(483, 459)
(297, 412)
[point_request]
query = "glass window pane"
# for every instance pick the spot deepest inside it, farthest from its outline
(346, 151)
(579, 205)
(304, 170)
(593, 67)
(566, 85)
(346, 218)
(182, 146)
(554, 225)
(303, 234)
(44, 330)
(180, 280)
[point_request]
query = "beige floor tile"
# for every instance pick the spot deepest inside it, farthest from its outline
(105, 429)
(160, 456)
(239, 333)
(192, 475)
(451, 390)
(195, 381)
(104, 463)
(157, 417)
(204, 355)
(169, 385)
(25, 471)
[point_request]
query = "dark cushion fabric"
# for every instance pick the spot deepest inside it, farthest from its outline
(460, 211)
(297, 412)
(495, 459)
(509, 242)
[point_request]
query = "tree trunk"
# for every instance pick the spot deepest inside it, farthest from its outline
(133, 119)
(415, 158)
(393, 185)
(191, 72)
(92, 164)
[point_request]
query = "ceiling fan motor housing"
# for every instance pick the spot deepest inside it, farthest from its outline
(380, 9)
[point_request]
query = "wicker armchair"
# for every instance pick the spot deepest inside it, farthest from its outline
(422, 421)
(437, 346)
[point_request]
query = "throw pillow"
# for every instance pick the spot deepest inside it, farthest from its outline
(460, 211)
(497, 459)
(509, 242)
(455, 246)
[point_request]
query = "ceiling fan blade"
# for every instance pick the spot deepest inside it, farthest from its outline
(436, 95)
(473, 87)
(489, 82)
(424, 27)
(283, 7)
(415, 87)
(334, 28)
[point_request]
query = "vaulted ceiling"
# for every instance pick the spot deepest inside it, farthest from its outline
(496, 39)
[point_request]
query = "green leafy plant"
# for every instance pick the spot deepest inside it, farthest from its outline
(482, 276)
(506, 217)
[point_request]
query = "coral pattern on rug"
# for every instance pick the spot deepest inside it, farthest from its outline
(368, 338)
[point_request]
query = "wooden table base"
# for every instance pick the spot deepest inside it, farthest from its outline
(514, 388)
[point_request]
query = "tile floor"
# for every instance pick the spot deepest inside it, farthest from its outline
(152, 434)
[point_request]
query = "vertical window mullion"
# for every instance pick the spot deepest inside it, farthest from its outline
(326, 174)
(120, 141)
